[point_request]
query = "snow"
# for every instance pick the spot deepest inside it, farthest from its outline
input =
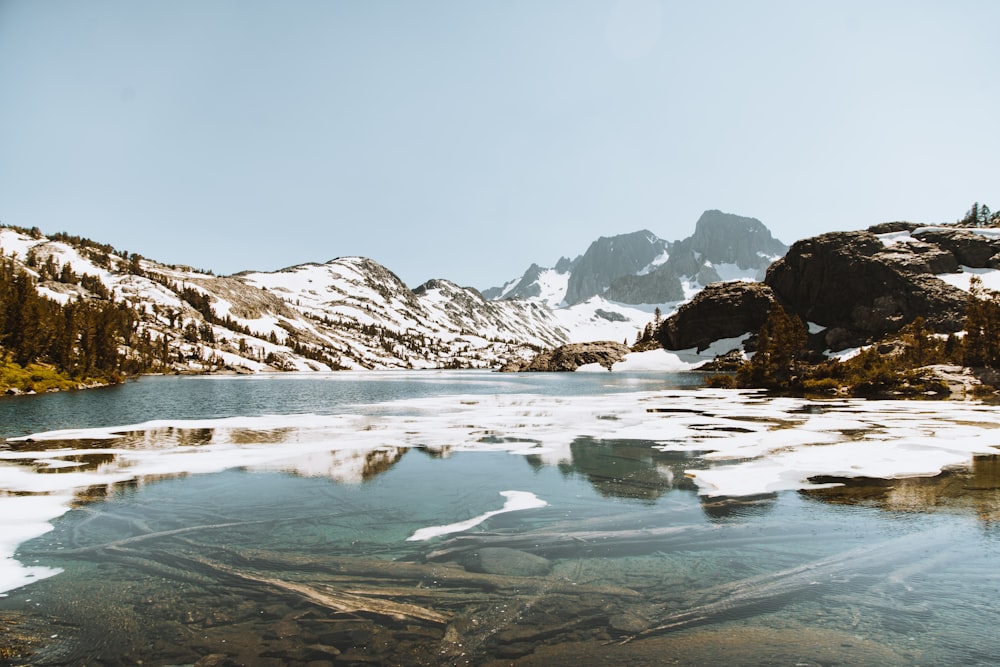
(23, 519)
(755, 443)
(732, 272)
(584, 325)
(990, 278)
(669, 361)
(658, 261)
(553, 286)
(516, 501)
(892, 238)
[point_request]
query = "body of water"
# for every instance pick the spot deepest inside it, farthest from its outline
(471, 518)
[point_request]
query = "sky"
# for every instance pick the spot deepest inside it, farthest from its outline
(467, 139)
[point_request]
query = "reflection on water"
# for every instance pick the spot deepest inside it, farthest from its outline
(974, 490)
(285, 541)
(270, 568)
(630, 469)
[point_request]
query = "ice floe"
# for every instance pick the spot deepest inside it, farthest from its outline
(749, 443)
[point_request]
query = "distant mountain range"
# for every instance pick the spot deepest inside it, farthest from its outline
(353, 313)
(641, 268)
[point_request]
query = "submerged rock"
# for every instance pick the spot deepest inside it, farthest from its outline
(508, 562)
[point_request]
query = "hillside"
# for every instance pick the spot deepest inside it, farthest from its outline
(349, 313)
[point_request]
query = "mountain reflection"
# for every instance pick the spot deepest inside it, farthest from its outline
(630, 469)
(975, 489)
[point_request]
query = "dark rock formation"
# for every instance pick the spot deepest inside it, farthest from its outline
(729, 362)
(969, 248)
(610, 258)
(721, 310)
(620, 268)
(852, 283)
(897, 226)
(861, 289)
(724, 238)
(659, 286)
(572, 356)
(507, 562)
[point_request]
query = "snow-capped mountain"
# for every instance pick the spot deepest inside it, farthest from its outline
(611, 291)
(347, 313)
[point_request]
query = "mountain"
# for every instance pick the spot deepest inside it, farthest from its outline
(611, 290)
(348, 313)
(853, 288)
(641, 268)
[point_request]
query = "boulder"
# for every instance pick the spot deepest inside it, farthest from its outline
(969, 248)
(572, 356)
(861, 290)
(507, 562)
(721, 310)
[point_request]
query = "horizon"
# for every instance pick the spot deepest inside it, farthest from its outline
(466, 142)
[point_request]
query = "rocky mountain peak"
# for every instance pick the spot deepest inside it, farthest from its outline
(611, 257)
(724, 238)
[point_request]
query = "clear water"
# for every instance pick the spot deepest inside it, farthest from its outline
(626, 564)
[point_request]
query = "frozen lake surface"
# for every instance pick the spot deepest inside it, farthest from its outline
(478, 518)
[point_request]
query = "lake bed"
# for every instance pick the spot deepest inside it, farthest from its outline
(471, 518)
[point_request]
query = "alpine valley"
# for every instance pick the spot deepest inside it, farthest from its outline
(353, 313)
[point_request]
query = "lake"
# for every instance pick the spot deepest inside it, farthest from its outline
(474, 518)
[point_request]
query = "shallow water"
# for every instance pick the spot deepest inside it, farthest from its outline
(267, 521)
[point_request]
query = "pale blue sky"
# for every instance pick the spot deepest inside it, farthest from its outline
(467, 139)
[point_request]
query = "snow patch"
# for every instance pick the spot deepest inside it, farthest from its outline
(516, 501)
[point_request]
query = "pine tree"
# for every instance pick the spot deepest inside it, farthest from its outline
(781, 343)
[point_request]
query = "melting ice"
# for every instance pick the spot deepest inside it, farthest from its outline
(762, 444)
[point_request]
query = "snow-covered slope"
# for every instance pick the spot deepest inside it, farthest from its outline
(348, 313)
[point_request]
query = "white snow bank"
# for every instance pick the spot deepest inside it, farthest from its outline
(990, 278)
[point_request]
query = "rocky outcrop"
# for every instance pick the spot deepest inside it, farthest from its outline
(861, 289)
(570, 357)
(969, 248)
(721, 310)
(856, 285)
(610, 258)
(660, 286)
(724, 238)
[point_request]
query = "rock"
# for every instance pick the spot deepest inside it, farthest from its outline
(960, 380)
(214, 660)
(608, 258)
(572, 356)
(659, 286)
(721, 310)
(725, 363)
(969, 248)
(724, 238)
(861, 290)
(891, 227)
(508, 562)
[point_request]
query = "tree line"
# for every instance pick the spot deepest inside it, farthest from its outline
(783, 362)
(83, 339)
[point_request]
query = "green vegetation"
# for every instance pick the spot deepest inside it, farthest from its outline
(47, 345)
(892, 366)
(647, 338)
